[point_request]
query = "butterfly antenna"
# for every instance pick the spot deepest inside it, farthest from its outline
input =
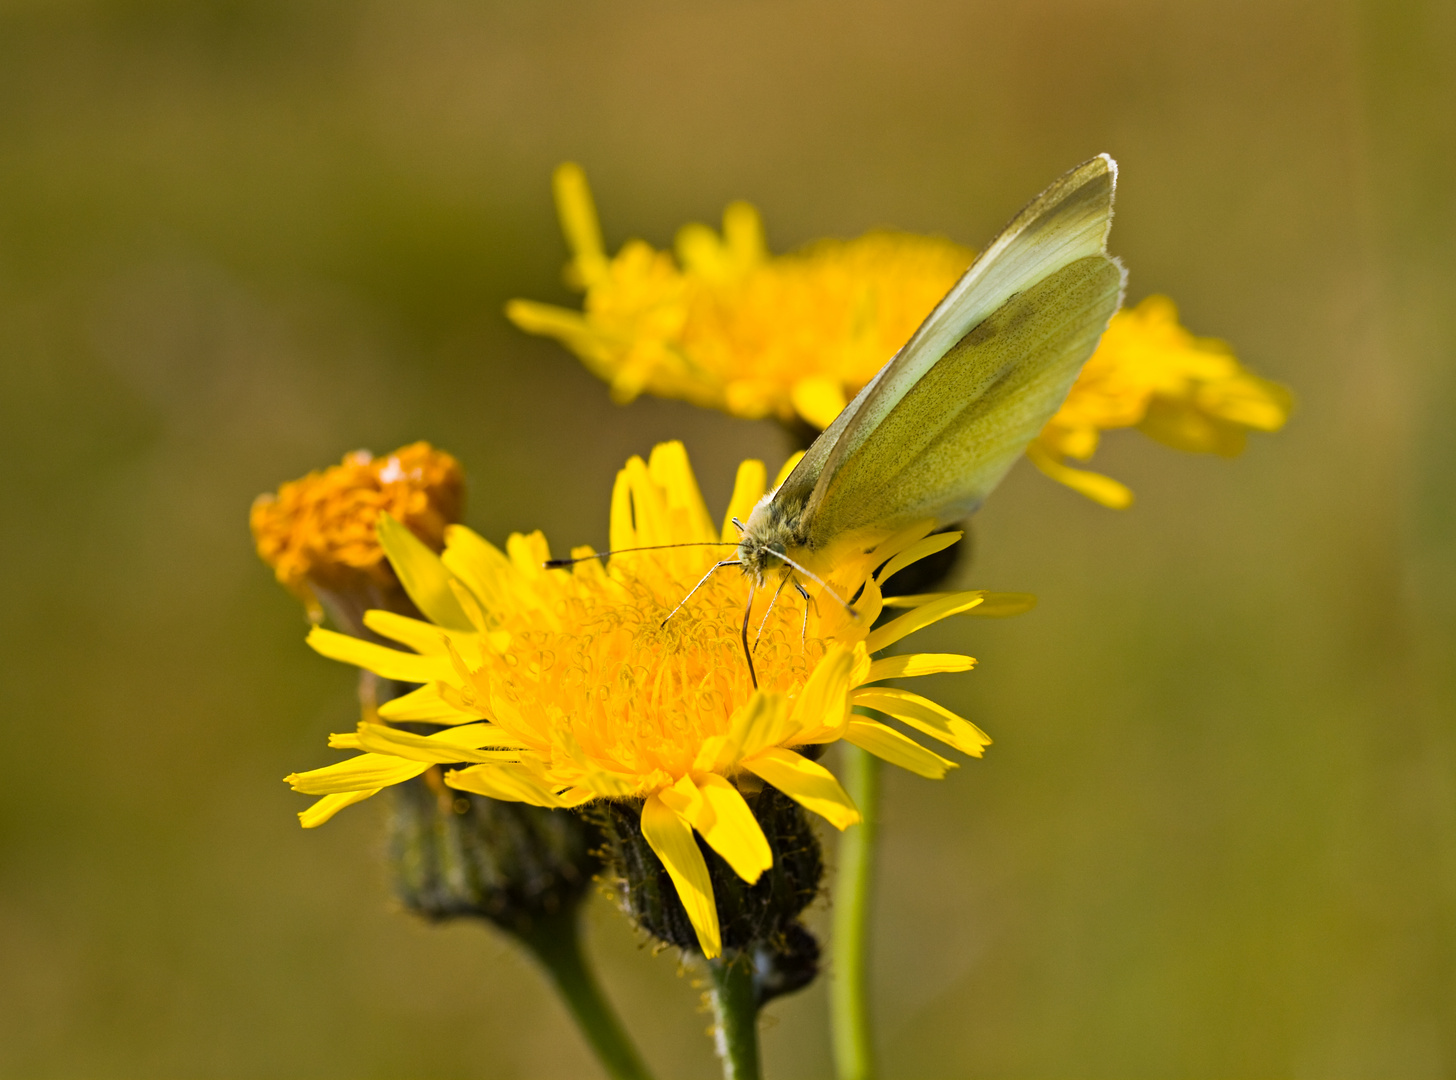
(557, 564)
(759, 636)
(703, 581)
(747, 655)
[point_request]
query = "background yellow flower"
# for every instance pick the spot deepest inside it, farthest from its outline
(727, 325)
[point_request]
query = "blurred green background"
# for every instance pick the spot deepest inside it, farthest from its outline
(1216, 836)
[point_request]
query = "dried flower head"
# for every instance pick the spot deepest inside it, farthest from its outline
(318, 532)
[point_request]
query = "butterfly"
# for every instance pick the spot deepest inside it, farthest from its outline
(937, 428)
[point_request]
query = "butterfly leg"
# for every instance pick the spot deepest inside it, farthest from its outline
(804, 631)
(747, 655)
(711, 571)
(757, 637)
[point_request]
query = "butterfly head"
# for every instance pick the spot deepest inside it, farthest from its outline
(767, 538)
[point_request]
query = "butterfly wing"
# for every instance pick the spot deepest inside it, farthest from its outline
(944, 420)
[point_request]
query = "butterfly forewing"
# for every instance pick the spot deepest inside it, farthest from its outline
(951, 437)
(959, 445)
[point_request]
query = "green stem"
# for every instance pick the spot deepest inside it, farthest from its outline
(556, 942)
(849, 1009)
(735, 1005)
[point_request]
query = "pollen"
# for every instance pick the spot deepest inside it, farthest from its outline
(605, 667)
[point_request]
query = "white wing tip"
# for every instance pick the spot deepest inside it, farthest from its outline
(1110, 164)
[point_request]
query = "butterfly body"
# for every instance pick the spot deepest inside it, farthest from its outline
(773, 530)
(944, 420)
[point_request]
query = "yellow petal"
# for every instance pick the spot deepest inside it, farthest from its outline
(748, 488)
(700, 251)
(672, 839)
(685, 800)
(470, 742)
(509, 783)
(390, 663)
(1100, 489)
(808, 783)
(424, 638)
(818, 400)
(761, 722)
(917, 551)
(788, 467)
(887, 743)
(330, 805)
(735, 834)
(921, 617)
(578, 214)
(994, 605)
(621, 529)
(924, 715)
(743, 233)
(668, 466)
(566, 326)
(471, 606)
(897, 542)
(476, 562)
(714, 807)
(421, 573)
(356, 774)
(823, 704)
(913, 664)
(426, 705)
(576, 796)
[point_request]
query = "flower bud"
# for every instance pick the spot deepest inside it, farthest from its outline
(760, 920)
(453, 854)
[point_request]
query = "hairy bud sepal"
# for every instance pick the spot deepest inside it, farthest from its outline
(759, 923)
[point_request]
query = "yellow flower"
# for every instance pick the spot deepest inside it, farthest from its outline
(726, 325)
(1149, 372)
(558, 687)
(318, 533)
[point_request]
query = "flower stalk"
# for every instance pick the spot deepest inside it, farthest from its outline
(849, 1009)
(555, 941)
(735, 1008)
(452, 854)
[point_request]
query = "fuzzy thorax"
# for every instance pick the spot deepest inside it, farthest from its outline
(771, 533)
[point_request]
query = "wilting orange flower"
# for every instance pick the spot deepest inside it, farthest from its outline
(318, 533)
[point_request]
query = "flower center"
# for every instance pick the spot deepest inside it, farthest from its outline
(638, 692)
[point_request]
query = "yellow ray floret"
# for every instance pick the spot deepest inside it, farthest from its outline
(569, 685)
(1149, 372)
(726, 325)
